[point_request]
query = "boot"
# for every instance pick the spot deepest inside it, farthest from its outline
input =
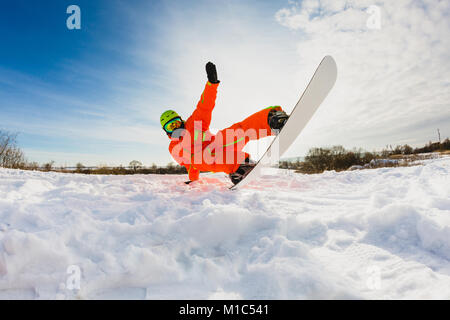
(277, 119)
(243, 170)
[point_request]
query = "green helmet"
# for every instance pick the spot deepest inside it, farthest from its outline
(167, 116)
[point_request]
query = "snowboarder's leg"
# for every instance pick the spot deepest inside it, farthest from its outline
(258, 122)
(264, 123)
(242, 171)
(234, 138)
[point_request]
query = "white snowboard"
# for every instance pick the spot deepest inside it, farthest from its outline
(316, 91)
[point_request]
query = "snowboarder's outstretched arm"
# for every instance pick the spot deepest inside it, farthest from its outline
(208, 99)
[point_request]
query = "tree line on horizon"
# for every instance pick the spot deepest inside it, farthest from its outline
(11, 156)
(316, 161)
(338, 158)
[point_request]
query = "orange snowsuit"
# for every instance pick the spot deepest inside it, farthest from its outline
(199, 150)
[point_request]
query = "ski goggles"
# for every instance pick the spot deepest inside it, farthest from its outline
(173, 124)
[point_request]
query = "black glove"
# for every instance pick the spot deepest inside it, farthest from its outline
(211, 72)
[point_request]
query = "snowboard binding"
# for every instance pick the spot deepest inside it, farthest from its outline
(243, 170)
(277, 119)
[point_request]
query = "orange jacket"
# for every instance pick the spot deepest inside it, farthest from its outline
(199, 150)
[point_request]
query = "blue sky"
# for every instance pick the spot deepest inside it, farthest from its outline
(60, 87)
(55, 81)
(95, 95)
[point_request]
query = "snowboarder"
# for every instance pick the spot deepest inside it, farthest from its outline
(195, 147)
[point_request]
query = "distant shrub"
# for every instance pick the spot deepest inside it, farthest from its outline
(135, 165)
(430, 147)
(120, 170)
(445, 145)
(32, 166)
(406, 149)
(80, 167)
(334, 158)
(397, 150)
(10, 154)
(48, 166)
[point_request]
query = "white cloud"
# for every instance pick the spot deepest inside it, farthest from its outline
(393, 83)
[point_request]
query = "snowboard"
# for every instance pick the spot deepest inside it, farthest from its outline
(318, 88)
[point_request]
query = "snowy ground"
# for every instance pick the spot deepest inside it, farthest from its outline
(370, 234)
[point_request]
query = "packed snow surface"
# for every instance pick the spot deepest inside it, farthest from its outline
(366, 234)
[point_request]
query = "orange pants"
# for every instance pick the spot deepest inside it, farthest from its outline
(229, 142)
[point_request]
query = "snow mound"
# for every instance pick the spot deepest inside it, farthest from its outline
(370, 234)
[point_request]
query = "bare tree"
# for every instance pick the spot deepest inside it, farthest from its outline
(10, 155)
(49, 165)
(135, 165)
(80, 167)
(6, 140)
(170, 167)
(32, 166)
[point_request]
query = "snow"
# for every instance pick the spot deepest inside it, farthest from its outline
(365, 234)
